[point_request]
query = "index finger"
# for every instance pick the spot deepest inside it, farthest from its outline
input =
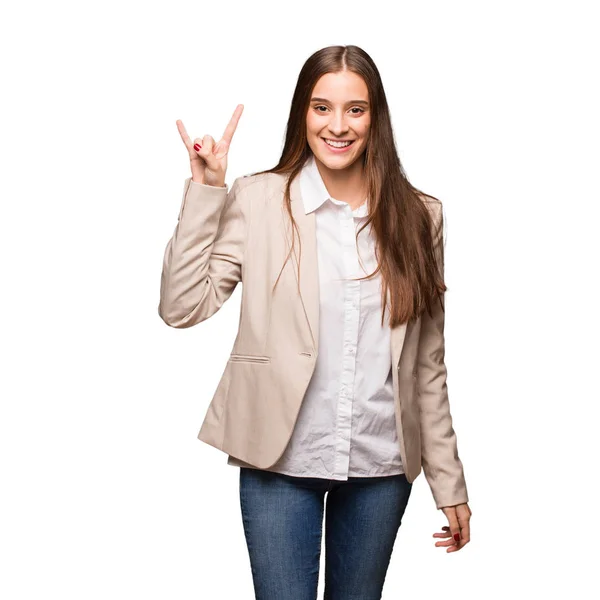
(184, 135)
(232, 125)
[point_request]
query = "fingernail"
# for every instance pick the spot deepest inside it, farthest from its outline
(457, 536)
(197, 147)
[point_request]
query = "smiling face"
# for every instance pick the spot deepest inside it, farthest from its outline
(338, 111)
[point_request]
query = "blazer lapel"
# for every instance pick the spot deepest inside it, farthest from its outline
(397, 337)
(306, 256)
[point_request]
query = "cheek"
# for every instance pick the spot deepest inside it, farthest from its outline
(364, 131)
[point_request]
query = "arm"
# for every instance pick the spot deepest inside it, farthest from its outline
(203, 259)
(442, 467)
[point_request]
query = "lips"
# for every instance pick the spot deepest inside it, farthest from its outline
(332, 140)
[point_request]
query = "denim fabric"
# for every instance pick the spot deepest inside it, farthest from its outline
(283, 524)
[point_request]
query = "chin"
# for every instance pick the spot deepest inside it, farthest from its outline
(335, 164)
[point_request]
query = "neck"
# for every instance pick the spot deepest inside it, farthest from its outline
(347, 185)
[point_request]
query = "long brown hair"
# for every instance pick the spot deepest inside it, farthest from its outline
(400, 220)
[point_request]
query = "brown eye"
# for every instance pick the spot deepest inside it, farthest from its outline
(360, 110)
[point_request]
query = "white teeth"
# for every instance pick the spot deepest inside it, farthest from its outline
(337, 144)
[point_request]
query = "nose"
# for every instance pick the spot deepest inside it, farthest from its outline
(337, 124)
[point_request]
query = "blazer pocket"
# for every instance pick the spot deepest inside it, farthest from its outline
(249, 358)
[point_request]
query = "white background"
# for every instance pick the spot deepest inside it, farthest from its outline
(106, 491)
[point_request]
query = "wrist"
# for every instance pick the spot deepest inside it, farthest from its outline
(217, 184)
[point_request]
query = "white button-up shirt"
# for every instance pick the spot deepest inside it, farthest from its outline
(346, 426)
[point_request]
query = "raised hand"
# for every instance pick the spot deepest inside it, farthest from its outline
(208, 160)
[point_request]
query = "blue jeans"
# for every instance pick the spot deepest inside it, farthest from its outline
(283, 518)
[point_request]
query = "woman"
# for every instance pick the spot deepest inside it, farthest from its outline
(336, 382)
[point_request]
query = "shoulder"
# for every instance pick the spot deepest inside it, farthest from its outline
(258, 183)
(258, 189)
(430, 201)
(434, 205)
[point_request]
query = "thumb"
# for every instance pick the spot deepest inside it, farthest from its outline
(205, 152)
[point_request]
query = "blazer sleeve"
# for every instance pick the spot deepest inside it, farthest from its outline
(203, 259)
(439, 453)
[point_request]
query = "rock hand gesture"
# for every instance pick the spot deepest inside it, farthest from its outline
(208, 160)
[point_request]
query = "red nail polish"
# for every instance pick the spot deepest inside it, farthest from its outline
(457, 536)
(197, 147)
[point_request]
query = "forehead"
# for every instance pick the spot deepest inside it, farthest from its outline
(340, 87)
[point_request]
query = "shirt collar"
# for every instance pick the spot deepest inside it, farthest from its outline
(313, 190)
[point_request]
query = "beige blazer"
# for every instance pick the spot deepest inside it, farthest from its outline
(224, 236)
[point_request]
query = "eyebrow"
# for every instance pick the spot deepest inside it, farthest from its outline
(349, 102)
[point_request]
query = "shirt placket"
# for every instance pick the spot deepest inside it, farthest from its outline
(350, 338)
